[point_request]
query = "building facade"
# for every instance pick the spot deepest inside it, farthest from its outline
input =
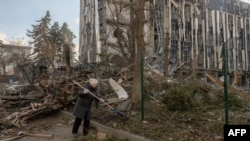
(193, 32)
(10, 55)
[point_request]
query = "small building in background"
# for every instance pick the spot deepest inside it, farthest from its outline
(10, 56)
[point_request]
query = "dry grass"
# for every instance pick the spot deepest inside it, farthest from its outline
(185, 113)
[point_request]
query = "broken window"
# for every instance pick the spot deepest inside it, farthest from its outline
(174, 51)
(186, 53)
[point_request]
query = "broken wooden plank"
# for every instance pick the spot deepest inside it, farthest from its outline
(232, 89)
(122, 94)
(12, 138)
(19, 118)
(48, 136)
(28, 97)
(114, 100)
(238, 76)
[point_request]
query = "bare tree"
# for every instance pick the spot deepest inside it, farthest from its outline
(122, 29)
(5, 60)
(130, 36)
(17, 41)
(2, 62)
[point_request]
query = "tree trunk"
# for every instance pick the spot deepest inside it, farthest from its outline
(131, 35)
(67, 60)
(139, 24)
(166, 56)
(66, 52)
(4, 70)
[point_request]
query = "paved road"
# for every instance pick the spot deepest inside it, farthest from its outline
(62, 133)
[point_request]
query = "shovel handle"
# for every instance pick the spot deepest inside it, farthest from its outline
(118, 112)
(93, 94)
(39, 135)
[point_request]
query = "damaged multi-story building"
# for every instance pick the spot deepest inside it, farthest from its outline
(97, 26)
(193, 32)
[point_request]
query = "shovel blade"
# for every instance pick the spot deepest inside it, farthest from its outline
(120, 113)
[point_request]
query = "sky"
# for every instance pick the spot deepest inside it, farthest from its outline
(18, 16)
(248, 1)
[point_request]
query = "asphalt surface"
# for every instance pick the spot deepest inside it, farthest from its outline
(62, 132)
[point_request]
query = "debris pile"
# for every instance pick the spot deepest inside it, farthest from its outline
(49, 93)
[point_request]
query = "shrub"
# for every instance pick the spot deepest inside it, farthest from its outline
(180, 97)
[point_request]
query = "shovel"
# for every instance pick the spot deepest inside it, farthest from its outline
(112, 108)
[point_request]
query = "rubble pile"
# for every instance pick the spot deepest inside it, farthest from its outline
(49, 93)
(21, 102)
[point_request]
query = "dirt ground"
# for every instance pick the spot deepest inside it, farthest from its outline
(54, 124)
(162, 125)
(159, 124)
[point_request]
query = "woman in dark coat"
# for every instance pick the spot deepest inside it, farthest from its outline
(82, 110)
